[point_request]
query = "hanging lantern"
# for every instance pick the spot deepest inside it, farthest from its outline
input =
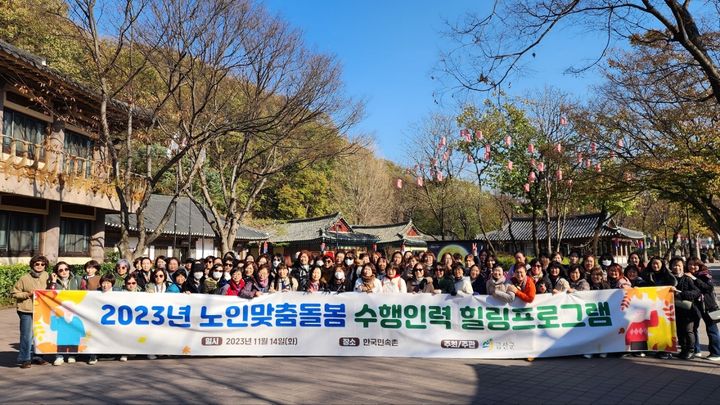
(593, 148)
(558, 148)
(558, 174)
(620, 143)
(443, 141)
(531, 149)
(532, 162)
(569, 182)
(439, 176)
(532, 177)
(612, 154)
(478, 135)
(464, 133)
(579, 157)
(510, 165)
(563, 121)
(526, 187)
(627, 176)
(433, 162)
(420, 181)
(469, 158)
(446, 156)
(508, 140)
(398, 184)
(541, 167)
(487, 152)
(587, 163)
(422, 167)
(598, 168)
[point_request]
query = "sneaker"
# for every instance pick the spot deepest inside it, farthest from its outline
(663, 356)
(71, 359)
(123, 358)
(603, 355)
(58, 361)
(640, 354)
(587, 356)
(687, 356)
(92, 360)
(151, 357)
(26, 364)
(713, 357)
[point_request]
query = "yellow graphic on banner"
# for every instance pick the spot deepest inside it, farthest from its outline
(56, 327)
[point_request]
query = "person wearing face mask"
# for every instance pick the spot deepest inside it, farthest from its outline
(338, 280)
(211, 282)
(36, 279)
(606, 261)
(195, 283)
(301, 271)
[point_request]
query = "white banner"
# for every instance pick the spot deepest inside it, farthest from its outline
(354, 324)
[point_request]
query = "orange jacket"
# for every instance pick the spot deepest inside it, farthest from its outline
(527, 293)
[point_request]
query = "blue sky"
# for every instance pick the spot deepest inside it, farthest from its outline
(388, 50)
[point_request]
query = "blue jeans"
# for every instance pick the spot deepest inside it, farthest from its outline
(26, 337)
(713, 336)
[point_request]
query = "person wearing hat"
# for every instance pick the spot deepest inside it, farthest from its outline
(36, 279)
(195, 282)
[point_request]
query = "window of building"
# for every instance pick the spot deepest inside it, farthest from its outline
(74, 237)
(19, 234)
(78, 153)
(23, 132)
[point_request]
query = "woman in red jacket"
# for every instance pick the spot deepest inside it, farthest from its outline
(522, 286)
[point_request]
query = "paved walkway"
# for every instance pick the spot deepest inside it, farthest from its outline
(357, 380)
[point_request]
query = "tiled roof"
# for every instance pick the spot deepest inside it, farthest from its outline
(394, 233)
(298, 230)
(188, 216)
(576, 227)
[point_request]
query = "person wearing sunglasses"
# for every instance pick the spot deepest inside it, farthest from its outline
(36, 279)
(121, 271)
(62, 278)
(160, 283)
(131, 284)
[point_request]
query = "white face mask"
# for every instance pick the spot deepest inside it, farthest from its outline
(276, 263)
(606, 263)
(216, 274)
(227, 276)
(348, 262)
(320, 263)
(339, 275)
(198, 275)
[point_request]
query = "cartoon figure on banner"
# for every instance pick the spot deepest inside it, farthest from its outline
(68, 327)
(636, 335)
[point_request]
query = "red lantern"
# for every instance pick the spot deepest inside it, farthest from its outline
(569, 182)
(559, 174)
(443, 142)
(563, 121)
(420, 181)
(439, 176)
(612, 154)
(398, 184)
(478, 135)
(620, 143)
(532, 162)
(558, 148)
(587, 163)
(487, 152)
(469, 158)
(531, 149)
(446, 156)
(593, 147)
(526, 187)
(541, 167)
(532, 177)
(579, 157)
(598, 168)
(510, 165)
(508, 140)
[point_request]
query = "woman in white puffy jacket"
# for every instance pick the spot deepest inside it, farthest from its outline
(392, 282)
(463, 285)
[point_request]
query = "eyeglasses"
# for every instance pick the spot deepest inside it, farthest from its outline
(130, 283)
(65, 269)
(39, 264)
(159, 276)
(418, 269)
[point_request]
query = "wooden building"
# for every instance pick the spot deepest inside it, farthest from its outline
(401, 236)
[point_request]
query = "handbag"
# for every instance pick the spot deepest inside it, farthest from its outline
(714, 315)
(683, 304)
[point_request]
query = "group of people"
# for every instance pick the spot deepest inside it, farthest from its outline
(373, 272)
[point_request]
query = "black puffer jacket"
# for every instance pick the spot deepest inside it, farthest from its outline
(704, 283)
(659, 278)
(688, 291)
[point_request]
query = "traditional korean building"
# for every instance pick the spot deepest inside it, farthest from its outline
(577, 234)
(330, 232)
(54, 187)
(186, 234)
(400, 236)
